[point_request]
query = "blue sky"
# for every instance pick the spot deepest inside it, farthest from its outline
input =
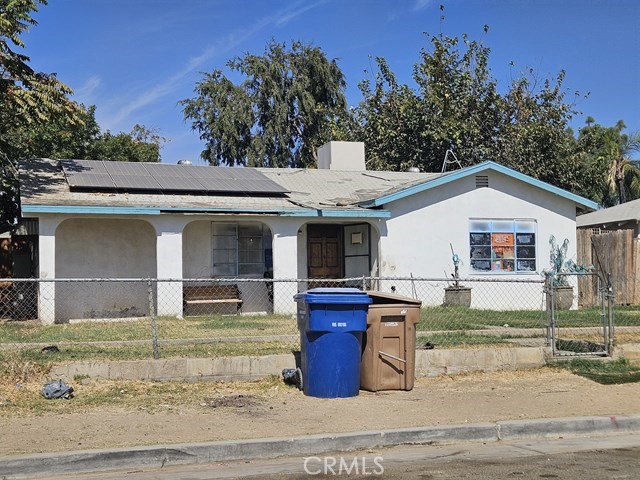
(136, 59)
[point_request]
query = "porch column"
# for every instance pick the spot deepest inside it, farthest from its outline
(47, 269)
(169, 266)
(285, 264)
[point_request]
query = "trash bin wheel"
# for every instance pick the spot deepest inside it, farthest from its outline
(299, 383)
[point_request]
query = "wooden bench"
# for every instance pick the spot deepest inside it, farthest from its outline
(221, 299)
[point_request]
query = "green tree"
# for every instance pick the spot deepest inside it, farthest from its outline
(388, 120)
(140, 145)
(533, 134)
(459, 99)
(288, 104)
(61, 138)
(456, 106)
(56, 138)
(609, 151)
(27, 98)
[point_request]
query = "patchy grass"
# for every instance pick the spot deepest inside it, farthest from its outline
(167, 328)
(15, 368)
(606, 372)
(459, 340)
(148, 396)
(216, 336)
(33, 356)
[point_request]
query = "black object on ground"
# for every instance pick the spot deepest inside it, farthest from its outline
(293, 376)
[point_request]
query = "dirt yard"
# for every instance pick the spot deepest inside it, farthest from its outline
(109, 414)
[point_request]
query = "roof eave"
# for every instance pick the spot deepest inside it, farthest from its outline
(474, 169)
(114, 210)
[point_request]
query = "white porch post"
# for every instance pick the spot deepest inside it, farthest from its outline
(285, 264)
(169, 266)
(47, 268)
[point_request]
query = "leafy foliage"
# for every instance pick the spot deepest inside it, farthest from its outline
(283, 109)
(456, 106)
(38, 119)
(27, 98)
(140, 145)
(616, 178)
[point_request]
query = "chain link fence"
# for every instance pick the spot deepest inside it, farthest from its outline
(89, 319)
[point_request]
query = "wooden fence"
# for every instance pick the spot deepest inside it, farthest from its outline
(614, 253)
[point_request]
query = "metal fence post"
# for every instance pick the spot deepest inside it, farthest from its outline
(548, 304)
(610, 297)
(152, 314)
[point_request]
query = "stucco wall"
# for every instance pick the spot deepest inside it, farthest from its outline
(197, 263)
(423, 226)
(104, 248)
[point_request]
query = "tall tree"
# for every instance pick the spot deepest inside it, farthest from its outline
(61, 138)
(27, 97)
(389, 121)
(533, 133)
(610, 151)
(456, 106)
(287, 105)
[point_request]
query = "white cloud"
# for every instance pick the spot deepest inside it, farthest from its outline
(288, 16)
(83, 93)
(221, 47)
(421, 5)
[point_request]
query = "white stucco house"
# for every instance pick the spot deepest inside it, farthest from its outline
(337, 221)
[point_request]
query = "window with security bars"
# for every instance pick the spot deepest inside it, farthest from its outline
(502, 245)
(240, 249)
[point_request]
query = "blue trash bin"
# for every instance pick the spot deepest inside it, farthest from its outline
(331, 323)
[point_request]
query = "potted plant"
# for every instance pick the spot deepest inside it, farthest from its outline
(456, 294)
(557, 273)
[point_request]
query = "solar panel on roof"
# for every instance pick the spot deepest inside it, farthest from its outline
(174, 179)
(95, 174)
(238, 180)
(87, 174)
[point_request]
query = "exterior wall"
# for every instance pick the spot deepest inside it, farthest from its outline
(197, 250)
(414, 241)
(423, 226)
(198, 263)
(104, 248)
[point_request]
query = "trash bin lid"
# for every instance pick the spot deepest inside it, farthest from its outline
(334, 296)
(384, 298)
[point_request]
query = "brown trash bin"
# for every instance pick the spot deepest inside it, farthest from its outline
(389, 350)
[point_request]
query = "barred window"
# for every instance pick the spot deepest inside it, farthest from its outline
(240, 249)
(502, 246)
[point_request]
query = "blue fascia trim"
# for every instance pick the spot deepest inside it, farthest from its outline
(362, 213)
(90, 209)
(465, 172)
(340, 213)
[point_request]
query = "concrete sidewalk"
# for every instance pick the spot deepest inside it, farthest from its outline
(28, 466)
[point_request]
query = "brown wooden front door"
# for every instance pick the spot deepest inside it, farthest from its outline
(324, 251)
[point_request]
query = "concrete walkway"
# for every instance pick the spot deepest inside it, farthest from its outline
(188, 454)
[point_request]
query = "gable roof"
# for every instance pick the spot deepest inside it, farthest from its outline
(474, 170)
(625, 212)
(311, 192)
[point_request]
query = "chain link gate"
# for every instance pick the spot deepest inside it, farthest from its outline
(576, 326)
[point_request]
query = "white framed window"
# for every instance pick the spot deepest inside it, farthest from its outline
(239, 249)
(502, 246)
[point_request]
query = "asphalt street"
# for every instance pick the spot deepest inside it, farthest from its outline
(597, 458)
